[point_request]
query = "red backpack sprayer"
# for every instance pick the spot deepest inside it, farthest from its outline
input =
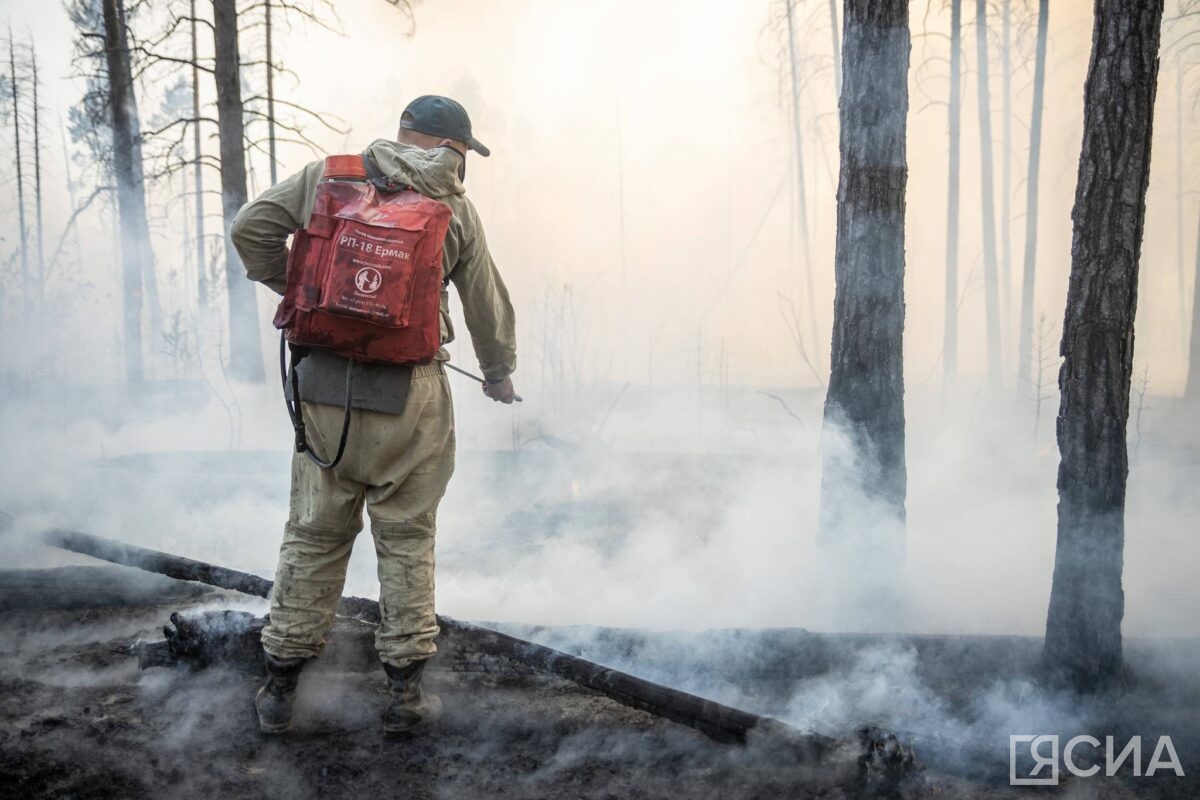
(364, 281)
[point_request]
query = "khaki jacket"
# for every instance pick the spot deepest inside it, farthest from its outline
(261, 230)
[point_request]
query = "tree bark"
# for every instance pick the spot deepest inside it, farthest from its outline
(1083, 625)
(137, 259)
(1025, 343)
(863, 472)
(954, 108)
(245, 355)
(991, 289)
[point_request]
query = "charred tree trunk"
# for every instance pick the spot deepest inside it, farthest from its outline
(23, 230)
(1025, 343)
(864, 480)
(950, 332)
(37, 188)
(1192, 392)
(991, 288)
(245, 355)
(136, 256)
(1083, 626)
(198, 169)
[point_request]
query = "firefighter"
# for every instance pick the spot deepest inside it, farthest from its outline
(401, 451)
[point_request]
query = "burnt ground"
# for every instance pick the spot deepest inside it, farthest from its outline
(79, 720)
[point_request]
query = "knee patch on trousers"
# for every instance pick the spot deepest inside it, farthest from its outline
(419, 527)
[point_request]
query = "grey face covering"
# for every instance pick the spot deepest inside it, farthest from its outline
(462, 160)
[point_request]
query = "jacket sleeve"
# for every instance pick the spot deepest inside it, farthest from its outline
(486, 308)
(261, 229)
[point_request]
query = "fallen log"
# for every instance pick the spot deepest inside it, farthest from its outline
(715, 720)
(65, 588)
(186, 569)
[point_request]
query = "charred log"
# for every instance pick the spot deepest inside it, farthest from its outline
(186, 569)
(87, 587)
(205, 641)
(231, 638)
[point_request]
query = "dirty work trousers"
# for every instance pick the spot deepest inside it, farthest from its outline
(397, 467)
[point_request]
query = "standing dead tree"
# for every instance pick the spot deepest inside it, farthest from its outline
(1087, 602)
(1028, 275)
(15, 81)
(991, 289)
(137, 259)
(954, 111)
(864, 479)
(39, 228)
(801, 191)
(245, 354)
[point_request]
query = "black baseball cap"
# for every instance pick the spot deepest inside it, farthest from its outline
(441, 116)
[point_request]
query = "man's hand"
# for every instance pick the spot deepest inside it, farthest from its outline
(502, 391)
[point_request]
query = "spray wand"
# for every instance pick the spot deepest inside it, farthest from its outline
(478, 379)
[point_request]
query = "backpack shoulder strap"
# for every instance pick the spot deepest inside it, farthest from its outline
(376, 177)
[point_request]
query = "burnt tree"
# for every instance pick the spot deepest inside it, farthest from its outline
(954, 110)
(245, 354)
(864, 479)
(14, 86)
(991, 288)
(136, 256)
(1025, 335)
(1087, 602)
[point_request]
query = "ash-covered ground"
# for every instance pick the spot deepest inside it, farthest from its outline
(78, 718)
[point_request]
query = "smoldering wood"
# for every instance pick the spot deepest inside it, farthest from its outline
(212, 639)
(865, 399)
(232, 638)
(1083, 627)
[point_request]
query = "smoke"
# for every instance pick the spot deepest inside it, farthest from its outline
(664, 474)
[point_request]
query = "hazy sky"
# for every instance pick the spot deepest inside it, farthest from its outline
(679, 107)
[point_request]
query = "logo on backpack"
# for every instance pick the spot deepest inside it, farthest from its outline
(368, 280)
(336, 295)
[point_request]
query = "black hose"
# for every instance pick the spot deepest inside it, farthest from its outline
(296, 411)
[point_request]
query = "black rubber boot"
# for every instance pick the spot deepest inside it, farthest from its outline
(274, 700)
(409, 709)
